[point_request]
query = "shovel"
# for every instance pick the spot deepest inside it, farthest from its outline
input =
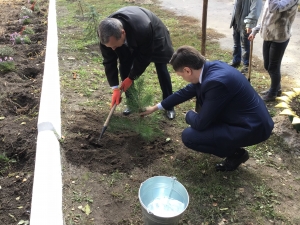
(250, 60)
(107, 120)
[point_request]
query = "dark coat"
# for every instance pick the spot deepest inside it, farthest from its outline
(148, 40)
(229, 106)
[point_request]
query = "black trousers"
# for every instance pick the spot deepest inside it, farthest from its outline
(273, 53)
(164, 78)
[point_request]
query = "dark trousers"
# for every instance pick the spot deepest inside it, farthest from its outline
(203, 141)
(163, 74)
(241, 44)
(273, 53)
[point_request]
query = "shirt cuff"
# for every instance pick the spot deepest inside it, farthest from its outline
(114, 87)
(159, 106)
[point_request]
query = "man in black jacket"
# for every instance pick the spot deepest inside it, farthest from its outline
(136, 37)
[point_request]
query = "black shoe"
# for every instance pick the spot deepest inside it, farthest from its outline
(170, 114)
(235, 65)
(269, 98)
(126, 112)
(232, 163)
(279, 92)
(245, 70)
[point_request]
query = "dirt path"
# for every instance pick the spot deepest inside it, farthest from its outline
(218, 18)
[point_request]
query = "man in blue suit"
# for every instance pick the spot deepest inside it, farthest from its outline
(232, 114)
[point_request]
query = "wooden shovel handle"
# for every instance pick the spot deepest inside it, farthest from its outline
(250, 60)
(111, 112)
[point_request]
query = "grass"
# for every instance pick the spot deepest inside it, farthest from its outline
(240, 197)
(7, 66)
(5, 163)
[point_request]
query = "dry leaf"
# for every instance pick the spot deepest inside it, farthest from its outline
(12, 216)
(223, 209)
(23, 222)
(86, 209)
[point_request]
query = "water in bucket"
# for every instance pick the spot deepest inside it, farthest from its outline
(163, 200)
(165, 207)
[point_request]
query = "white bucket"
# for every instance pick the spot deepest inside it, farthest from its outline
(163, 200)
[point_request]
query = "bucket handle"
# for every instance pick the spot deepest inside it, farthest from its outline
(174, 179)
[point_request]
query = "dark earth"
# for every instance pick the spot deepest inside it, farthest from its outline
(19, 100)
(113, 152)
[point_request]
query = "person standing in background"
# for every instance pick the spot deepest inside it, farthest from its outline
(275, 29)
(244, 17)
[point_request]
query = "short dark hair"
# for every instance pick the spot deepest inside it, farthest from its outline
(187, 56)
(109, 27)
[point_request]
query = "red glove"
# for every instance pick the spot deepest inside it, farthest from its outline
(116, 97)
(126, 84)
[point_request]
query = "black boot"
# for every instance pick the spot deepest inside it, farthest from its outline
(234, 64)
(232, 162)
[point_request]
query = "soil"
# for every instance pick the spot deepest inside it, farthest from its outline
(295, 104)
(92, 169)
(19, 99)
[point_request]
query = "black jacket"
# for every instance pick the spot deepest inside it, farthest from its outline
(148, 40)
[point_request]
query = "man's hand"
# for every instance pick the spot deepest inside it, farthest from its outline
(149, 110)
(126, 84)
(116, 97)
(251, 37)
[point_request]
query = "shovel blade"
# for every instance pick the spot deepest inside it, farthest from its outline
(102, 132)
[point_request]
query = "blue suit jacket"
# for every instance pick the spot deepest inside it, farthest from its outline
(229, 106)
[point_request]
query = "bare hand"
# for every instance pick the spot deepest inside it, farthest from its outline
(248, 30)
(149, 110)
(251, 37)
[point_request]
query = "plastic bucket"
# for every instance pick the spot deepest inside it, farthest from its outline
(163, 200)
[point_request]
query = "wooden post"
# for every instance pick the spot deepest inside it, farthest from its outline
(203, 40)
(204, 22)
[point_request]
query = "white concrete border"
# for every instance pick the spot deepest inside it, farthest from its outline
(46, 205)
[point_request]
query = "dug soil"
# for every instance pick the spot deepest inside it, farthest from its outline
(19, 104)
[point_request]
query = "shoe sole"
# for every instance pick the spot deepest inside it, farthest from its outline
(266, 92)
(246, 157)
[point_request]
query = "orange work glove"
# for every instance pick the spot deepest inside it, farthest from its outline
(126, 84)
(116, 97)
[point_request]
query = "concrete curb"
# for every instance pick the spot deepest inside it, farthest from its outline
(46, 205)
